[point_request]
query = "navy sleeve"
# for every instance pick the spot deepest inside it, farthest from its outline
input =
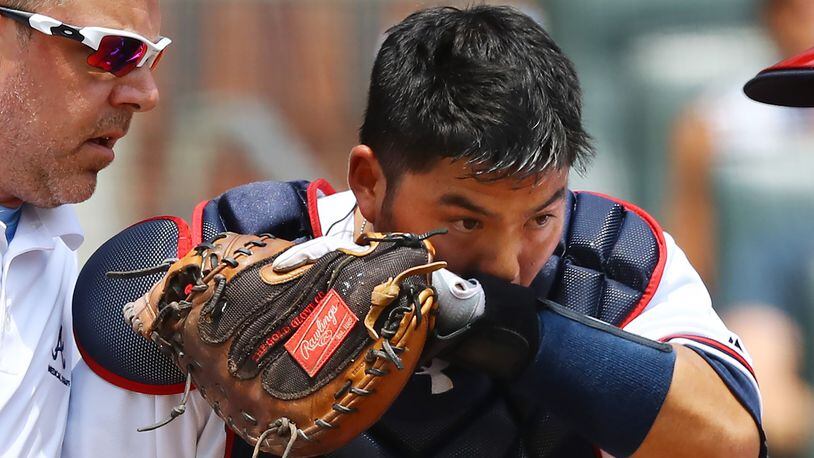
(741, 387)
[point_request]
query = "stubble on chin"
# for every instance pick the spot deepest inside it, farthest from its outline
(67, 184)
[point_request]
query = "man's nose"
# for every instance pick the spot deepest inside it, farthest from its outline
(136, 91)
(502, 263)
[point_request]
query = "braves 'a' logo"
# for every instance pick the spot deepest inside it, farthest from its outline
(59, 349)
(440, 382)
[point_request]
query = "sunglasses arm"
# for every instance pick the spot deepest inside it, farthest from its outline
(41, 23)
(51, 26)
(37, 22)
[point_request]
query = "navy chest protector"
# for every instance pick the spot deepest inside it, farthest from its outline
(607, 265)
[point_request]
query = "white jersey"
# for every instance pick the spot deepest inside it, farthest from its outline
(37, 350)
(680, 311)
(103, 419)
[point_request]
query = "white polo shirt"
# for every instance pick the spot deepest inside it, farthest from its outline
(37, 349)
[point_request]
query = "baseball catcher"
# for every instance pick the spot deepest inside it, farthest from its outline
(473, 124)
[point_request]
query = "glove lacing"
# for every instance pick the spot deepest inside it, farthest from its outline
(282, 427)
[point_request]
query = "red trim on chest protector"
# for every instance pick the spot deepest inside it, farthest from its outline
(197, 222)
(311, 197)
(230, 442)
(655, 277)
(127, 384)
(185, 236)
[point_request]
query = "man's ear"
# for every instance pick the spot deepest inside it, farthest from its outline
(367, 181)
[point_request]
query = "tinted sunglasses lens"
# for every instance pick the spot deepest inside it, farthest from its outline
(118, 55)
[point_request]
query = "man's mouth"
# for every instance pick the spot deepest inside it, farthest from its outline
(105, 154)
(107, 139)
(107, 142)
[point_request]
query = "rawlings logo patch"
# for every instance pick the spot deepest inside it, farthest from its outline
(322, 333)
(281, 333)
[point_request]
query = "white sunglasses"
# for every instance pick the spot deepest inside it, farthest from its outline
(116, 51)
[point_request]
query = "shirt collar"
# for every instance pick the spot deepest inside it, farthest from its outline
(61, 222)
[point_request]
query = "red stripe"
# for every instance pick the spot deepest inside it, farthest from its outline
(230, 442)
(714, 344)
(801, 61)
(311, 196)
(125, 383)
(197, 222)
(184, 234)
(658, 272)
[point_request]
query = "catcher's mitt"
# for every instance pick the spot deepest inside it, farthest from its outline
(299, 361)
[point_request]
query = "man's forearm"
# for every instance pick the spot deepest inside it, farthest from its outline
(606, 384)
(700, 416)
(625, 393)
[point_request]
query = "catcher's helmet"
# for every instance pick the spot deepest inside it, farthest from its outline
(789, 82)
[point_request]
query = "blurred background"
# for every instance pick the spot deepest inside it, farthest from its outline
(275, 89)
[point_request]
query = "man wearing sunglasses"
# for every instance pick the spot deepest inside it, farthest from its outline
(72, 74)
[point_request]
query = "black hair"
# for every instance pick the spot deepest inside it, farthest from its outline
(484, 84)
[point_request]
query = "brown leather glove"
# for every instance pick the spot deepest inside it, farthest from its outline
(301, 361)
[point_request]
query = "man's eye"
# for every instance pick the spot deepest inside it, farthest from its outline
(466, 225)
(541, 220)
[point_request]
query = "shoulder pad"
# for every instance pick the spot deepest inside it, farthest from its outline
(609, 261)
(108, 345)
(278, 208)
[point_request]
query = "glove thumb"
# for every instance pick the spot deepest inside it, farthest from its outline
(308, 252)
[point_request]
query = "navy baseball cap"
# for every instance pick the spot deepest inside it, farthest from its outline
(788, 83)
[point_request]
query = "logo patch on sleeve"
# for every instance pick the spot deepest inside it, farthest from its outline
(322, 333)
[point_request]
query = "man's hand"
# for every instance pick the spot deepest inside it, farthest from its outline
(486, 324)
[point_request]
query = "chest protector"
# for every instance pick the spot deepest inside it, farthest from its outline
(608, 265)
